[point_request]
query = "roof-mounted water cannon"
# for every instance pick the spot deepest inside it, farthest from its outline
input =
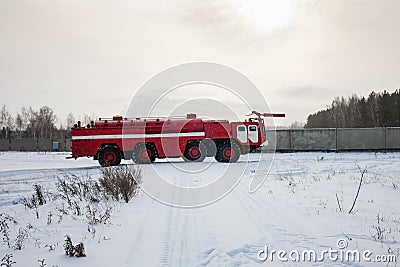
(260, 116)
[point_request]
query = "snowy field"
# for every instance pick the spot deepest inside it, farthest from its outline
(297, 209)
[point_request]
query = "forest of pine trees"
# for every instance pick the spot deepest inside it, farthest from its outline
(378, 110)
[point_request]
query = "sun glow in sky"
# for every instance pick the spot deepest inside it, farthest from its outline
(267, 15)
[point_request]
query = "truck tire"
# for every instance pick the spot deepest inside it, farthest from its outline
(195, 151)
(210, 147)
(109, 156)
(228, 152)
(144, 153)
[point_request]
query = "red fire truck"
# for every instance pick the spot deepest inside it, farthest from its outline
(145, 139)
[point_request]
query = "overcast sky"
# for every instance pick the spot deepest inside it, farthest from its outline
(91, 56)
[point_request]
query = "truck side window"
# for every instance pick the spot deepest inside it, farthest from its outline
(241, 129)
(252, 128)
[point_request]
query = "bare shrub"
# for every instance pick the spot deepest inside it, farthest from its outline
(31, 203)
(71, 250)
(21, 237)
(68, 247)
(35, 201)
(39, 194)
(51, 247)
(7, 261)
(49, 218)
(121, 182)
(381, 231)
(80, 250)
(73, 187)
(76, 190)
(42, 263)
(97, 214)
(5, 220)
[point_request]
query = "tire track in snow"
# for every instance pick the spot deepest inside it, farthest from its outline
(183, 257)
(170, 236)
(210, 255)
(17, 184)
(287, 232)
(139, 239)
(171, 226)
(286, 237)
(245, 254)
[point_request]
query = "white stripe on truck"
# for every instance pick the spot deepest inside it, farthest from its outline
(119, 136)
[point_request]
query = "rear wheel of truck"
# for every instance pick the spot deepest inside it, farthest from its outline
(109, 156)
(195, 151)
(144, 153)
(228, 152)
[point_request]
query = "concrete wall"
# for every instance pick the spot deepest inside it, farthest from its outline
(5, 145)
(283, 139)
(313, 139)
(286, 140)
(393, 137)
(31, 144)
(364, 138)
(336, 139)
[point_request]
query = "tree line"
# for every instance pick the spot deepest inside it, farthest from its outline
(377, 110)
(31, 123)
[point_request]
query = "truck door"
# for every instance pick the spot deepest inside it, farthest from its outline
(241, 133)
(253, 133)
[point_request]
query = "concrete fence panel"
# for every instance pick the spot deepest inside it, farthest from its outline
(27, 144)
(68, 145)
(5, 145)
(313, 139)
(283, 139)
(33, 144)
(393, 138)
(360, 138)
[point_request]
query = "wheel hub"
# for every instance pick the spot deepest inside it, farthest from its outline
(109, 157)
(194, 152)
(227, 153)
(145, 154)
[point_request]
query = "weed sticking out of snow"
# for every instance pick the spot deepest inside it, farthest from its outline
(7, 260)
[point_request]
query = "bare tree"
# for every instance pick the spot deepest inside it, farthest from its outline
(6, 121)
(28, 121)
(70, 121)
(19, 124)
(88, 118)
(297, 125)
(42, 123)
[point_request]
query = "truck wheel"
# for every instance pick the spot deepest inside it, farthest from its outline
(195, 151)
(228, 152)
(144, 153)
(109, 156)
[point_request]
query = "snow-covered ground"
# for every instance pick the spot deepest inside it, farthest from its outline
(296, 209)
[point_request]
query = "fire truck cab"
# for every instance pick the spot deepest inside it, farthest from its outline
(145, 139)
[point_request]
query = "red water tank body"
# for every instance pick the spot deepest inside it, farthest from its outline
(145, 139)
